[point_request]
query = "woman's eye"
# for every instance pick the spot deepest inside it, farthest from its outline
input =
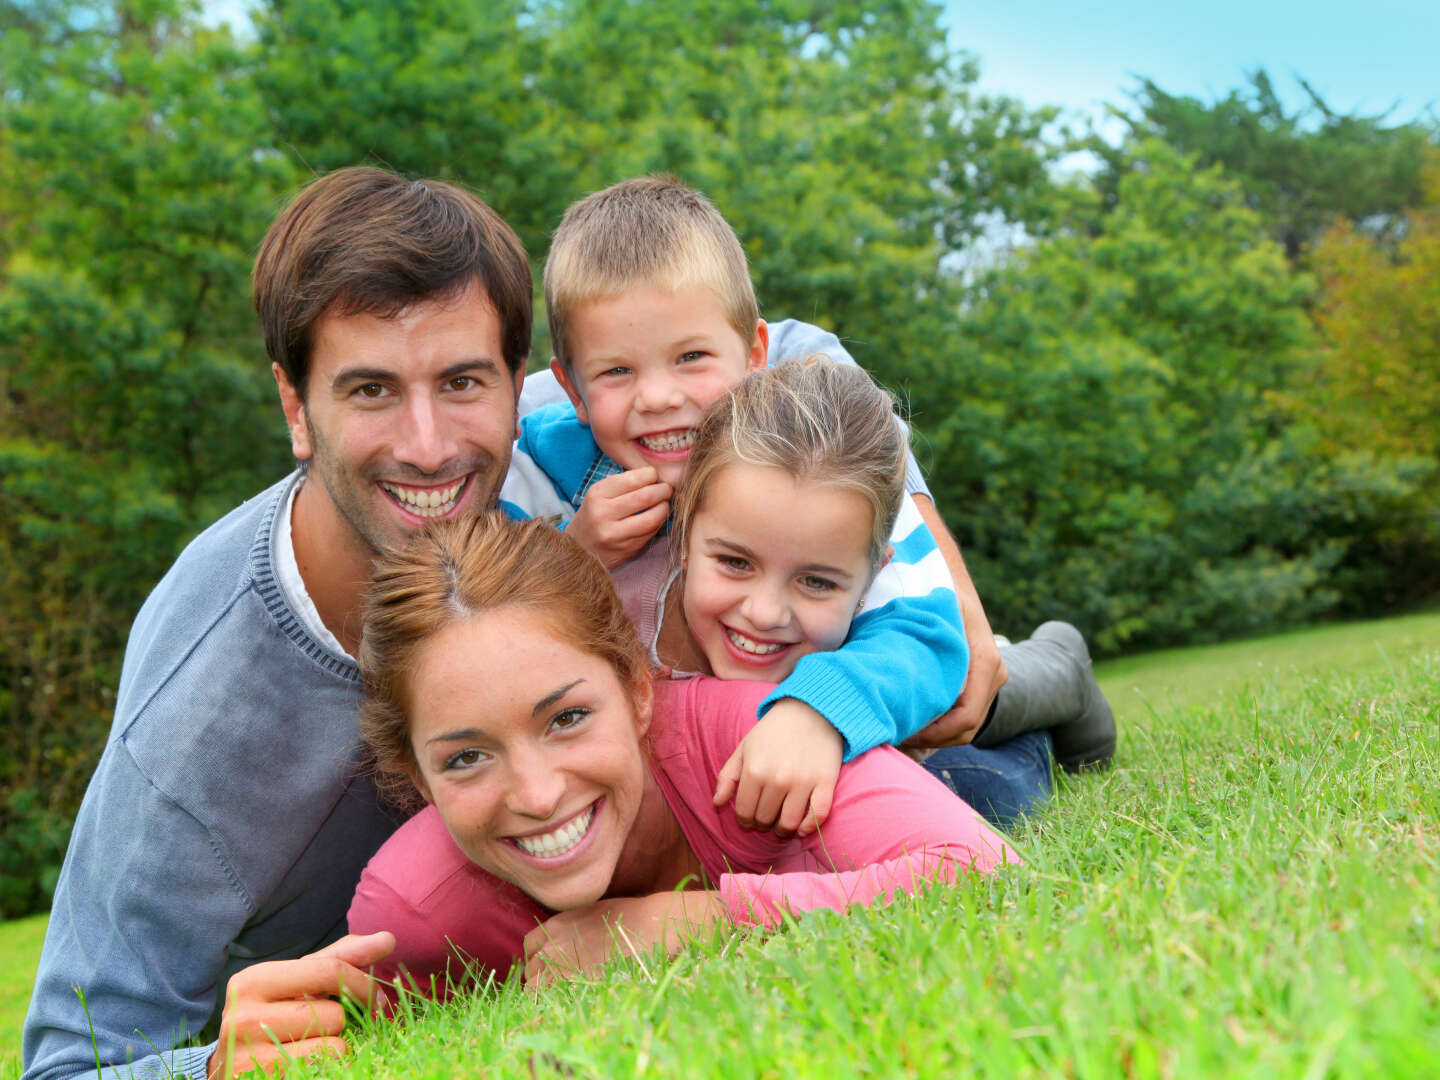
(465, 758)
(815, 583)
(569, 719)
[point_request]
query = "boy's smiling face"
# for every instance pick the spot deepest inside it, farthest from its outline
(647, 364)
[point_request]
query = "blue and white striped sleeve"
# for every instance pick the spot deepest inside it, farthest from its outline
(548, 466)
(905, 660)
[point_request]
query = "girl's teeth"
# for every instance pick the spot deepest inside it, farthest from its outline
(753, 647)
(560, 841)
(427, 502)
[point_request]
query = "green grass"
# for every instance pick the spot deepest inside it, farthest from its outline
(19, 950)
(1251, 892)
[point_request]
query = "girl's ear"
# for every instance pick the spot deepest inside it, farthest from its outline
(885, 559)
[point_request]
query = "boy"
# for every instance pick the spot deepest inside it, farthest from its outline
(653, 318)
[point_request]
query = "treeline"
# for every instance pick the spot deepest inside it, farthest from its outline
(1196, 399)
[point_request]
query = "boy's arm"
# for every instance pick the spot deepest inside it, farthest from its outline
(987, 672)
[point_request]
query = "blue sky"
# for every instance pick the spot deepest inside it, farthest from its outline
(1364, 57)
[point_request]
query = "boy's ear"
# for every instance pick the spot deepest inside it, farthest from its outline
(571, 388)
(295, 418)
(760, 348)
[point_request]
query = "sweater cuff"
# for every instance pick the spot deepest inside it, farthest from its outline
(847, 709)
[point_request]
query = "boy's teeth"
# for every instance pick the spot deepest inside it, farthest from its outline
(552, 844)
(426, 502)
(754, 647)
(669, 441)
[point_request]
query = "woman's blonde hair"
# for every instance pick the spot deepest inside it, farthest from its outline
(458, 570)
(822, 422)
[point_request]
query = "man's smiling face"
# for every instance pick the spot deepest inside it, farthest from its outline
(405, 419)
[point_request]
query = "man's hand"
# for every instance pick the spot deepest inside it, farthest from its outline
(621, 513)
(987, 672)
(291, 1003)
(573, 942)
(788, 763)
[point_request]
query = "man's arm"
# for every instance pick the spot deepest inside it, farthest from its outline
(987, 670)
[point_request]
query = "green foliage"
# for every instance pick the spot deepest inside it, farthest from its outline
(1301, 170)
(132, 191)
(1114, 455)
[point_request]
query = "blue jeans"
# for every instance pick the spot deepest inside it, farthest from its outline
(1002, 782)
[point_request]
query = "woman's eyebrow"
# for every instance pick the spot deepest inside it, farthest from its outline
(554, 696)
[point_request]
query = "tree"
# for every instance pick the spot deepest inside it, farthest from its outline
(1117, 456)
(1300, 170)
(134, 183)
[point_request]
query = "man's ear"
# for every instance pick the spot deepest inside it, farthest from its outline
(519, 386)
(295, 418)
(644, 703)
(759, 348)
(571, 388)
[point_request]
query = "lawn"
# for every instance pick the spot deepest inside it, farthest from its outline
(1251, 892)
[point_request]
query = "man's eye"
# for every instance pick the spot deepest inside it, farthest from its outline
(569, 719)
(815, 583)
(461, 382)
(370, 390)
(465, 758)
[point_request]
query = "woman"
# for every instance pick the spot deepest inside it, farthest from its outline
(569, 793)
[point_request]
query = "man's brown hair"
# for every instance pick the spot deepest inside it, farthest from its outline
(366, 241)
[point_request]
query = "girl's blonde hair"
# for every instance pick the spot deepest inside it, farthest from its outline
(458, 570)
(820, 421)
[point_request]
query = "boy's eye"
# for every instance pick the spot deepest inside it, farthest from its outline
(816, 583)
(693, 354)
(466, 758)
(569, 719)
(614, 372)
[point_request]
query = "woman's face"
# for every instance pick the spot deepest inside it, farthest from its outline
(530, 749)
(774, 569)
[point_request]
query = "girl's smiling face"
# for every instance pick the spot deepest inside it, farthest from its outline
(775, 569)
(530, 749)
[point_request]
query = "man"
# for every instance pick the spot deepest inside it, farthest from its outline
(227, 823)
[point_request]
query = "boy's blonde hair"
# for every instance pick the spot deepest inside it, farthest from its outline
(652, 230)
(820, 421)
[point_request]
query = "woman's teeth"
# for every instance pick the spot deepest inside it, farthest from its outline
(426, 502)
(552, 844)
(669, 441)
(755, 648)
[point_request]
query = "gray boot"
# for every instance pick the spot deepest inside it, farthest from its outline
(1052, 686)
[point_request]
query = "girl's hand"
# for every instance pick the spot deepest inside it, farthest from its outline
(783, 773)
(621, 513)
(573, 942)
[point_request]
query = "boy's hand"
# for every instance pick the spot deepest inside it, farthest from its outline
(788, 764)
(621, 513)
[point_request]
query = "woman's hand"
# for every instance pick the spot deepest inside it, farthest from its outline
(573, 942)
(285, 1008)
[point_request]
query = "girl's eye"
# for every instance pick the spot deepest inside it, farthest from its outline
(815, 583)
(570, 719)
(465, 759)
(733, 562)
